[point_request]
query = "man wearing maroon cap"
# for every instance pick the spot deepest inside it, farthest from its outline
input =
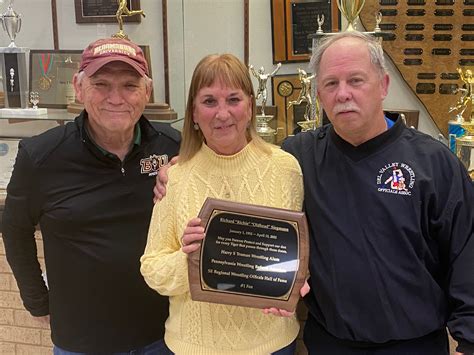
(89, 186)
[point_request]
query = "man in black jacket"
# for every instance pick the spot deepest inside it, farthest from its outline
(88, 185)
(391, 216)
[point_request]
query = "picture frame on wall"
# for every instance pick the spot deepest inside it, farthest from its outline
(51, 73)
(93, 11)
(293, 21)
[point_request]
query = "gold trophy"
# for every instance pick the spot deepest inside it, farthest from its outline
(465, 142)
(123, 11)
(351, 10)
(310, 122)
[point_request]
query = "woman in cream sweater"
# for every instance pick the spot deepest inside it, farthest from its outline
(221, 156)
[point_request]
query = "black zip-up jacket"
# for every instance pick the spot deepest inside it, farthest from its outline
(94, 211)
(391, 236)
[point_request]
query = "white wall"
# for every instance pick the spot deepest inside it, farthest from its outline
(195, 28)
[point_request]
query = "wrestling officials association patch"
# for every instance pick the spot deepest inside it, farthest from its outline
(396, 178)
(152, 164)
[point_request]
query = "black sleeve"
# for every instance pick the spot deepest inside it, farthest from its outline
(456, 230)
(20, 217)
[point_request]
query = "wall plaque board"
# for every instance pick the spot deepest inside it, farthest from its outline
(88, 11)
(293, 21)
(429, 40)
(51, 74)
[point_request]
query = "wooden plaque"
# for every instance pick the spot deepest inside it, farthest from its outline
(89, 11)
(293, 21)
(252, 256)
(428, 40)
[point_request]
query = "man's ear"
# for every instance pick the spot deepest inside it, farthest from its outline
(77, 87)
(149, 89)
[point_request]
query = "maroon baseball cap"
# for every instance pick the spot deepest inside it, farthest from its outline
(106, 50)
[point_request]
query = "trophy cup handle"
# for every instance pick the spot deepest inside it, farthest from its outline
(3, 23)
(19, 23)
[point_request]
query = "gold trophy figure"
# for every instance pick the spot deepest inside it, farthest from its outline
(465, 143)
(123, 11)
(351, 10)
(467, 90)
(262, 83)
(305, 96)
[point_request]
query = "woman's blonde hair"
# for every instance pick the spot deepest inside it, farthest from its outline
(230, 71)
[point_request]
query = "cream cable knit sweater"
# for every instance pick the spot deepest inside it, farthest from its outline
(249, 176)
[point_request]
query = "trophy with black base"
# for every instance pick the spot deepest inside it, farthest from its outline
(14, 68)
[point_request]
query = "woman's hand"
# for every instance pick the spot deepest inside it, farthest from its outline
(282, 312)
(159, 191)
(192, 235)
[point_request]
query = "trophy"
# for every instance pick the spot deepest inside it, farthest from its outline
(11, 22)
(123, 11)
(320, 20)
(465, 147)
(456, 125)
(13, 62)
(378, 19)
(350, 9)
(263, 129)
(34, 99)
(312, 111)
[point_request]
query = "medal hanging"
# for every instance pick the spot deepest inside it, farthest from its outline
(45, 63)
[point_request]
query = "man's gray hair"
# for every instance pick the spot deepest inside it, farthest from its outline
(374, 47)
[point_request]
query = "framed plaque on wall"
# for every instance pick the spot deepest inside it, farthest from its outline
(293, 21)
(89, 11)
(51, 74)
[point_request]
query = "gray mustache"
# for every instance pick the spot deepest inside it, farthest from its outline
(345, 107)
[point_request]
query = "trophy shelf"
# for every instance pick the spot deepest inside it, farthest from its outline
(62, 115)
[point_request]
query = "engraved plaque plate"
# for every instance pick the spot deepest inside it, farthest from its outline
(415, 12)
(413, 61)
(252, 256)
(414, 37)
(415, 27)
(413, 51)
(447, 89)
(441, 51)
(388, 26)
(442, 37)
(388, 12)
(444, 12)
(443, 27)
(425, 88)
(447, 28)
(450, 76)
(388, 2)
(426, 76)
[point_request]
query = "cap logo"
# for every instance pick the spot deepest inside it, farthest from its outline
(115, 48)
